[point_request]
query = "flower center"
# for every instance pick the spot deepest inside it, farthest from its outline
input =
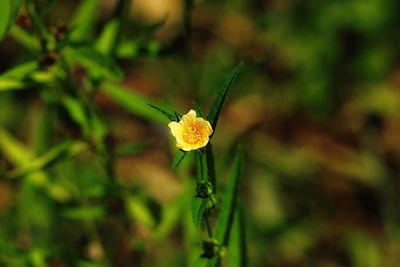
(191, 135)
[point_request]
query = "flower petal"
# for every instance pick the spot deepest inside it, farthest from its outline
(176, 128)
(205, 142)
(184, 146)
(189, 117)
(192, 113)
(208, 127)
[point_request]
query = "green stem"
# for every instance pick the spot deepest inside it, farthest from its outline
(211, 166)
(209, 229)
(200, 166)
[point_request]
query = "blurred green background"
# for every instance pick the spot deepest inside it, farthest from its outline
(316, 107)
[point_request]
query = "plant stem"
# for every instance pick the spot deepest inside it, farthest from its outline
(211, 166)
(209, 229)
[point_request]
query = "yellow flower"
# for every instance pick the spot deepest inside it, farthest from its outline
(191, 132)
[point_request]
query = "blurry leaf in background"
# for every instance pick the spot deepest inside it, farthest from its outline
(84, 213)
(131, 101)
(66, 148)
(107, 41)
(16, 152)
(85, 20)
(363, 250)
(8, 13)
(97, 64)
(5, 13)
(24, 38)
(111, 34)
(138, 210)
(14, 78)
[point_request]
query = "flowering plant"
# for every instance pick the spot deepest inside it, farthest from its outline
(193, 133)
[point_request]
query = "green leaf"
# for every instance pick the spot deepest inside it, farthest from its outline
(5, 14)
(178, 158)
(170, 216)
(14, 78)
(237, 243)
(21, 71)
(170, 116)
(199, 206)
(178, 116)
(85, 19)
(219, 100)
(15, 151)
(110, 37)
(15, 5)
(19, 155)
(131, 101)
(66, 148)
(224, 221)
(198, 110)
(128, 49)
(11, 84)
(107, 41)
(97, 64)
(25, 39)
(77, 112)
(84, 213)
(8, 12)
(139, 211)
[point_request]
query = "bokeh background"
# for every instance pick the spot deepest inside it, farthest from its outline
(316, 107)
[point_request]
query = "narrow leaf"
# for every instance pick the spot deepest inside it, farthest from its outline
(107, 41)
(84, 213)
(237, 242)
(19, 155)
(14, 78)
(110, 37)
(178, 158)
(8, 12)
(67, 148)
(219, 100)
(16, 152)
(228, 206)
(139, 211)
(178, 116)
(84, 20)
(198, 110)
(14, 6)
(77, 112)
(5, 14)
(97, 64)
(199, 206)
(11, 84)
(131, 101)
(21, 71)
(166, 114)
(27, 40)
